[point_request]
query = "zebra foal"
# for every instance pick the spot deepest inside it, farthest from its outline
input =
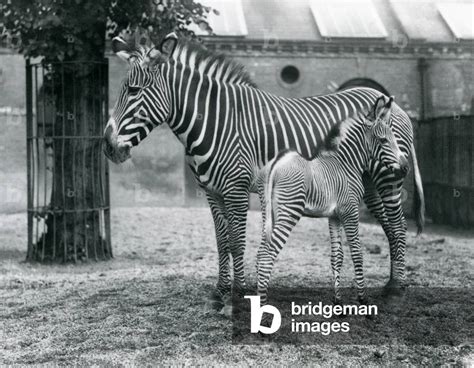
(329, 185)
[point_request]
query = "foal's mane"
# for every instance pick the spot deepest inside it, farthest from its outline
(336, 134)
(225, 69)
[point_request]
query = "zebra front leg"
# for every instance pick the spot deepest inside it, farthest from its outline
(219, 216)
(351, 228)
(375, 205)
(337, 256)
(384, 202)
(237, 206)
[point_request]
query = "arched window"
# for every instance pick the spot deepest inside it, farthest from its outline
(363, 82)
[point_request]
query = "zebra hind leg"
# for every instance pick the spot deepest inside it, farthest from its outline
(287, 217)
(337, 256)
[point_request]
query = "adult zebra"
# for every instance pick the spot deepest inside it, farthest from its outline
(231, 129)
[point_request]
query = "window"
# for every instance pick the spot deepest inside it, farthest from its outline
(229, 22)
(428, 27)
(290, 74)
(347, 19)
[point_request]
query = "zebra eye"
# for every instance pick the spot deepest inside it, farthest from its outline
(383, 140)
(132, 90)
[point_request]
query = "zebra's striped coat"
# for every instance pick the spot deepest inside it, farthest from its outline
(231, 129)
(329, 185)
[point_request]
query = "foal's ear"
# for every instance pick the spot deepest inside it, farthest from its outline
(383, 109)
(122, 49)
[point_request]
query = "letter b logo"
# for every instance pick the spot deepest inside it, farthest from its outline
(256, 314)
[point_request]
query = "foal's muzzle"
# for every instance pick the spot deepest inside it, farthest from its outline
(401, 169)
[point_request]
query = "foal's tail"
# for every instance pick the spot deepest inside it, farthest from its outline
(419, 198)
(269, 194)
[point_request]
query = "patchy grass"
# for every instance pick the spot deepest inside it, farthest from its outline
(148, 305)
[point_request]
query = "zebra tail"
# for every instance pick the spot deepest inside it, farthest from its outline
(419, 198)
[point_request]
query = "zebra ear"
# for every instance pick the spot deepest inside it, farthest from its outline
(153, 57)
(168, 44)
(372, 114)
(383, 109)
(122, 49)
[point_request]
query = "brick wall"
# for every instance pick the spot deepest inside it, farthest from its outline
(156, 175)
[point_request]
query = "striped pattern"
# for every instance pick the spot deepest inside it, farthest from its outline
(330, 186)
(231, 130)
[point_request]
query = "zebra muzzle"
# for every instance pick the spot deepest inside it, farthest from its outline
(115, 152)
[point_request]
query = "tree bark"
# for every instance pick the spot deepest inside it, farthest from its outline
(76, 219)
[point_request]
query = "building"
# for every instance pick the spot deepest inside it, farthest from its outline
(419, 51)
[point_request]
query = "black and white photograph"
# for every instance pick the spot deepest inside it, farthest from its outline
(233, 183)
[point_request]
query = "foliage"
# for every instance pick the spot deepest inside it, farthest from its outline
(77, 29)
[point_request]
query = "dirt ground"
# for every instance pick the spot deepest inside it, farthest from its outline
(148, 305)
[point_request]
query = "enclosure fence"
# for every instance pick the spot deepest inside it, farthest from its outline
(68, 182)
(446, 156)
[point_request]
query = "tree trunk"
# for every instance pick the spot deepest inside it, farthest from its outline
(72, 222)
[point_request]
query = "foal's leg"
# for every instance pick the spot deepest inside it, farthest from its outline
(337, 255)
(351, 227)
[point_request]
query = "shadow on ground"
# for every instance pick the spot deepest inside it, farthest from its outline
(148, 305)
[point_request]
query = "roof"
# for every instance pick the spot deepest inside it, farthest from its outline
(459, 18)
(317, 20)
(343, 19)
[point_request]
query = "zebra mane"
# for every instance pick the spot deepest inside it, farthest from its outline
(217, 66)
(337, 134)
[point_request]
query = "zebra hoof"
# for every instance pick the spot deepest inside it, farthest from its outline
(213, 305)
(336, 300)
(215, 301)
(239, 291)
(393, 288)
(227, 311)
(215, 295)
